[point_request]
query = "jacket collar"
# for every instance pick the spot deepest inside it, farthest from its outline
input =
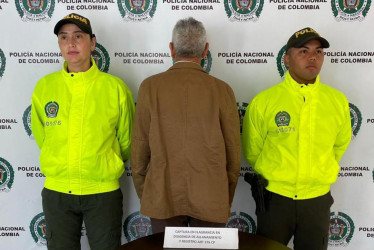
(291, 83)
(186, 65)
(87, 75)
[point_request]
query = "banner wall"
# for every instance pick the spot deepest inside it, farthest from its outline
(247, 43)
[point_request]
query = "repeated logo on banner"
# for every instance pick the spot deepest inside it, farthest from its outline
(38, 229)
(137, 226)
(6, 175)
(101, 57)
(206, 62)
(2, 63)
(352, 10)
(242, 221)
(236, 10)
(356, 119)
(341, 229)
(137, 10)
(281, 65)
(35, 10)
(26, 118)
(243, 10)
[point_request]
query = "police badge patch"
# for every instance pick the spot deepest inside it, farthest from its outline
(38, 230)
(282, 118)
(282, 68)
(6, 175)
(137, 10)
(51, 109)
(243, 222)
(2, 63)
(101, 57)
(350, 10)
(35, 10)
(243, 10)
(137, 226)
(341, 229)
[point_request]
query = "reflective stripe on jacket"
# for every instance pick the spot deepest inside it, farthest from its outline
(295, 135)
(82, 123)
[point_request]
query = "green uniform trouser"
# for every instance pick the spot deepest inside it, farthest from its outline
(307, 220)
(64, 214)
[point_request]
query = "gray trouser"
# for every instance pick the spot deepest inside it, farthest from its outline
(307, 220)
(64, 214)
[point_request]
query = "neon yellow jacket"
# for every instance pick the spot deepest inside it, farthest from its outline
(82, 123)
(295, 135)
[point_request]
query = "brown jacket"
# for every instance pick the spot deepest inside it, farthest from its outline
(185, 155)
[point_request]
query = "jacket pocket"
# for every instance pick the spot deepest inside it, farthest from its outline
(52, 163)
(104, 167)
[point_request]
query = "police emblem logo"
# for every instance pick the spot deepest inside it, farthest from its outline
(51, 109)
(242, 107)
(6, 175)
(356, 119)
(341, 229)
(35, 5)
(351, 4)
(243, 10)
(101, 57)
(38, 229)
(2, 63)
(137, 10)
(137, 4)
(282, 118)
(281, 65)
(26, 118)
(350, 10)
(35, 10)
(243, 222)
(244, 5)
(137, 226)
(206, 62)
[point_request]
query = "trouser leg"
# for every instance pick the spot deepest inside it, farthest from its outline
(313, 220)
(278, 221)
(102, 215)
(63, 220)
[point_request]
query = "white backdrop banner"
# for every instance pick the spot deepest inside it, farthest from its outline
(247, 41)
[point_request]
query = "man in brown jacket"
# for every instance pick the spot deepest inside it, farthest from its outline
(185, 155)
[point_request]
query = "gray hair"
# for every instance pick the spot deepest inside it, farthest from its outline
(189, 38)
